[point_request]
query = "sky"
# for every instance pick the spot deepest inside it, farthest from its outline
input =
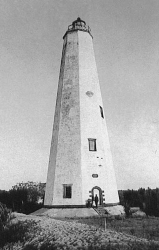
(126, 45)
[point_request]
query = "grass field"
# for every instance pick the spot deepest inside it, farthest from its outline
(141, 227)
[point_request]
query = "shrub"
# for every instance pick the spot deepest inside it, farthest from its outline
(15, 232)
(4, 216)
(48, 246)
(30, 246)
(127, 210)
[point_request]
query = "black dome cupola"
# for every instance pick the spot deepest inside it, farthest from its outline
(78, 24)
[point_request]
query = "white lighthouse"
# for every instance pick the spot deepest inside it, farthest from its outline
(80, 163)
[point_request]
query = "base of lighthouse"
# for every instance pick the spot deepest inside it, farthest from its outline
(66, 212)
(80, 212)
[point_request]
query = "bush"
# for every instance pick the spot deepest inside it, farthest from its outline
(30, 246)
(127, 210)
(4, 217)
(15, 232)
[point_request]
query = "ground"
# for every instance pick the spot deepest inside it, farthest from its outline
(84, 233)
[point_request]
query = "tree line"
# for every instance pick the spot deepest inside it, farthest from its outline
(146, 199)
(24, 197)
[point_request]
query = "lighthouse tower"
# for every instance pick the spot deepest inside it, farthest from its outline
(80, 164)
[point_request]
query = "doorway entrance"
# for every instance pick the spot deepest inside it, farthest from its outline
(97, 191)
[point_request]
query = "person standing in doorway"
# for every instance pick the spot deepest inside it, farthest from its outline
(96, 200)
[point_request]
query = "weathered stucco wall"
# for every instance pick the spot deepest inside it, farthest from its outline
(65, 155)
(53, 150)
(93, 126)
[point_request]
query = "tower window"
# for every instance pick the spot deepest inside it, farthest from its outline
(92, 144)
(67, 191)
(101, 112)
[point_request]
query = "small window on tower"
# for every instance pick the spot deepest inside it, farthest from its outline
(92, 144)
(67, 191)
(101, 112)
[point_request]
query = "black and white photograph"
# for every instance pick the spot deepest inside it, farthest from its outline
(79, 124)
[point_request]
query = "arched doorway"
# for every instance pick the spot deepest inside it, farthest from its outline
(97, 190)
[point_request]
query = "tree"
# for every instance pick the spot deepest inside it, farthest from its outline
(26, 197)
(35, 191)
